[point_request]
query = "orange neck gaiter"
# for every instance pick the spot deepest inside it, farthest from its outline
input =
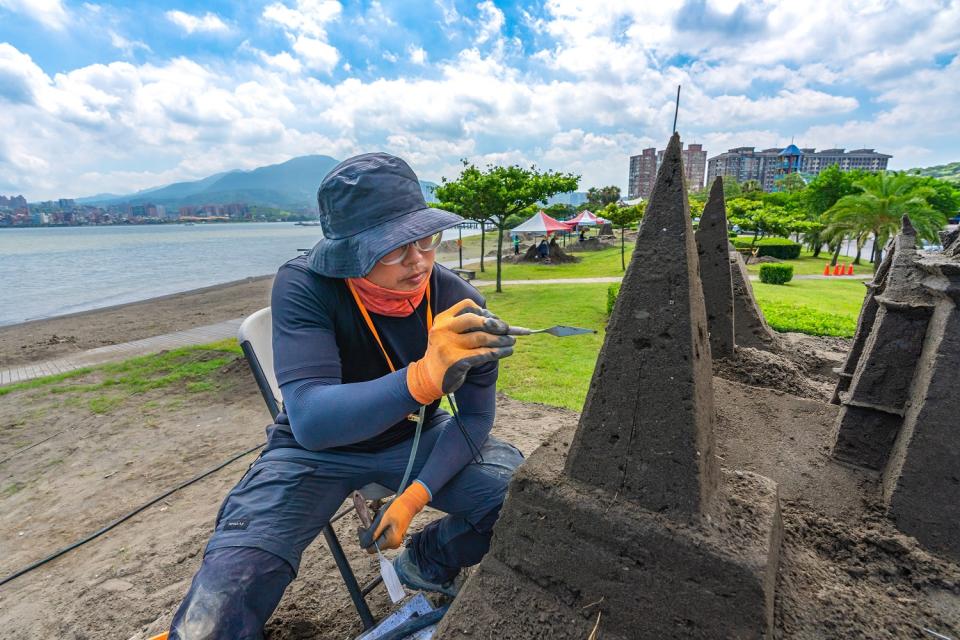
(389, 302)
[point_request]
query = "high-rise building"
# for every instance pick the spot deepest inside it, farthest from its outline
(644, 167)
(643, 171)
(769, 165)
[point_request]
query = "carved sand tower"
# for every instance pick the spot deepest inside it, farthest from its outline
(714, 255)
(627, 524)
(901, 403)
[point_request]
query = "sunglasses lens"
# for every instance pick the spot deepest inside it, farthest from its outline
(430, 242)
(394, 256)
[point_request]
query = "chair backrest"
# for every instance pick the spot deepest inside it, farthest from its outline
(256, 340)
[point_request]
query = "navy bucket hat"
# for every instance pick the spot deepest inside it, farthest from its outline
(370, 205)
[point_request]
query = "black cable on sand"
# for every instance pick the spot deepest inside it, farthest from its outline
(125, 517)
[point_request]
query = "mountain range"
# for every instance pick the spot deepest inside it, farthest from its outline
(290, 184)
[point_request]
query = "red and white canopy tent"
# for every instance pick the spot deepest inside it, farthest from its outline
(585, 219)
(539, 223)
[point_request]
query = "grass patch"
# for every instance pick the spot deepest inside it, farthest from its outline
(12, 488)
(554, 371)
(807, 265)
(104, 404)
(816, 307)
(593, 264)
(45, 381)
(557, 371)
(105, 387)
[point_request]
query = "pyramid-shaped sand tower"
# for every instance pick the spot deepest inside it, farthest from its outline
(627, 524)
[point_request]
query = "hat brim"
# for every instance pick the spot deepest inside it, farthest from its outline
(357, 255)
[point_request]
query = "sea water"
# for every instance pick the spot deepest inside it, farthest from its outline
(51, 271)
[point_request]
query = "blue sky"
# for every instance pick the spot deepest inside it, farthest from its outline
(119, 96)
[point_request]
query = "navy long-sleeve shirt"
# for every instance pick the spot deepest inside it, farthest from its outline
(337, 388)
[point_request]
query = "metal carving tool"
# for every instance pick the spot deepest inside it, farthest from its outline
(560, 331)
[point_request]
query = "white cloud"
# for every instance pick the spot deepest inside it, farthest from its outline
(491, 22)
(207, 23)
(417, 55)
(50, 13)
(316, 54)
(128, 47)
(282, 60)
(600, 89)
(305, 26)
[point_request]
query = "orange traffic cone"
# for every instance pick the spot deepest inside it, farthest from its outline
(836, 270)
(850, 269)
(826, 269)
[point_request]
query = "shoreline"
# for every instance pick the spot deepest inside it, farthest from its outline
(115, 307)
(64, 335)
(60, 336)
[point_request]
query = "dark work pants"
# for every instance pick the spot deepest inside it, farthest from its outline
(286, 498)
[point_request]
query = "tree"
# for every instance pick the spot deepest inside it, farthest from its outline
(886, 197)
(496, 193)
(751, 187)
(944, 197)
(453, 198)
(622, 217)
(821, 194)
(600, 198)
(791, 183)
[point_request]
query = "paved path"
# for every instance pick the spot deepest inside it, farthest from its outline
(490, 283)
(114, 352)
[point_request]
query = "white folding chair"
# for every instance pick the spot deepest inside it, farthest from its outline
(256, 341)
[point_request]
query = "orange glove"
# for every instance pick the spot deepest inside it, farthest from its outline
(462, 337)
(391, 523)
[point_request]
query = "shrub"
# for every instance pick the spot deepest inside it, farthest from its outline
(612, 292)
(776, 273)
(781, 248)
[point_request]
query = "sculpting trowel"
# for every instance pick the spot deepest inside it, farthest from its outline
(560, 331)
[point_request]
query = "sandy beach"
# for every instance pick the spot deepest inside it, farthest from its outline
(64, 335)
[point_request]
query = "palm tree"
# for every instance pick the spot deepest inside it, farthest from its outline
(886, 198)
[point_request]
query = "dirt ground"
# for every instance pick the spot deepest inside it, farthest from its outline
(127, 583)
(845, 572)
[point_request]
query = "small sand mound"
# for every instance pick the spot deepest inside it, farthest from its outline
(764, 369)
(557, 256)
(860, 580)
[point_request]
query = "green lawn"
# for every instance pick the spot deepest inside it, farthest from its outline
(818, 307)
(543, 368)
(102, 388)
(557, 371)
(593, 264)
(806, 264)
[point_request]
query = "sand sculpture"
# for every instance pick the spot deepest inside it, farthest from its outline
(899, 393)
(630, 516)
(714, 255)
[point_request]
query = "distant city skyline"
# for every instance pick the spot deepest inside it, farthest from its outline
(767, 165)
(116, 97)
(643, 170)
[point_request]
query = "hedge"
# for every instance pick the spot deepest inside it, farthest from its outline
(776, 273)
(781, 248)
(612, 292)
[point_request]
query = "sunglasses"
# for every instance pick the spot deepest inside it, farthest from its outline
(423, 245)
